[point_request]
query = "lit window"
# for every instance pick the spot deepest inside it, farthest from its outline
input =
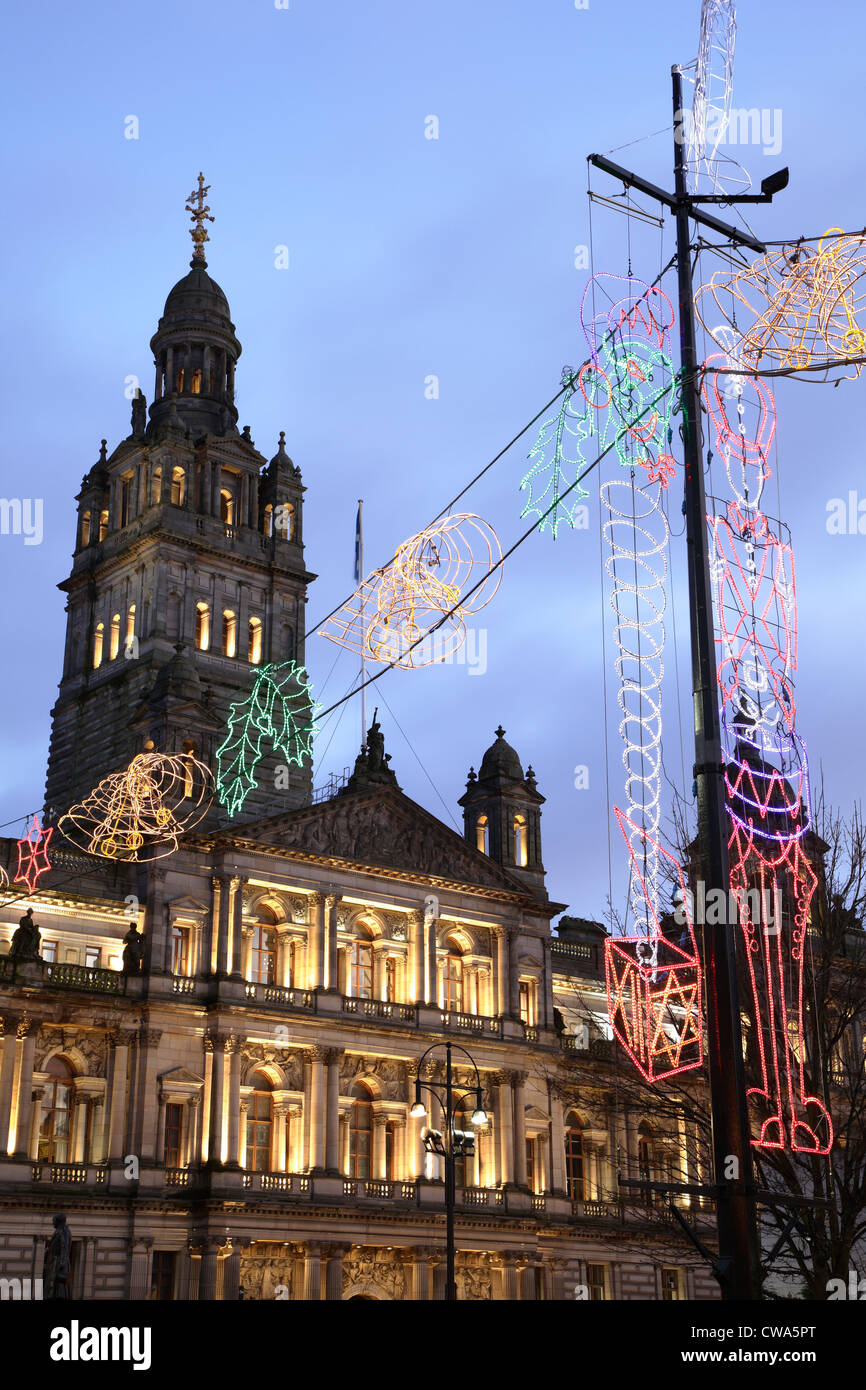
(49, 950)
(97, 645)
(230, 632)
(360, 973)
(103, 525)
(179, 951)
(482, 835)
(531, 1173)
(671, 1289)
(520, 842)
(114, 645)
(56, 1112)
(162, 1269)
(259, 1126)
(452, 980)
(91, 957)
(268, 520)
(196, 382)
(130, 623)
(255, 641)
(597, 1279)
(178, 380)
(178, 487)
(360, 1131)
(574, 1159)
(202, 626)
(464, 1166)
(287, 521)
(262, 956)
(85, 528)
(156, 486)
(526, 993)
(227, 507)
(173, 1127)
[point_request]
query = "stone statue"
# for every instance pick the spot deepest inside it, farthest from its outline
(375, 745)
(56, 1261)
(139, 413)
(25, 939)
(133, 951)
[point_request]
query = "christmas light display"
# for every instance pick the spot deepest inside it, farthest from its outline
(766, 768)
(407, 601)
(711, 105)
(558, 460)
(137, 815)
(33, 859)
(279, 709)
(654, 983)
(795, 309)
(4, 878)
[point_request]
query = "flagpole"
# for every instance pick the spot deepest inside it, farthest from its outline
(359, 565)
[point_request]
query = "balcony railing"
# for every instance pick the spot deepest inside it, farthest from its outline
(88, 978)
(183, 984)
(471, 1023)
(379, 1008)
(280, 995)
(62, 1174)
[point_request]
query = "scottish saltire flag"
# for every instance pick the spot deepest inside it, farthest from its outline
(358, 546)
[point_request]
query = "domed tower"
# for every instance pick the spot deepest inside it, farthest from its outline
(502, 812)
(188, 570)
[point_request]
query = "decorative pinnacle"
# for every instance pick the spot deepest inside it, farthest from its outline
(199, 214)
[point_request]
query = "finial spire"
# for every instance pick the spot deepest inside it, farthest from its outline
(199, 214)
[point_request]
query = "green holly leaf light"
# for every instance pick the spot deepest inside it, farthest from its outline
(280, 711)
(558, 460)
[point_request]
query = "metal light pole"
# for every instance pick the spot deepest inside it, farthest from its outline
(738, 1267)
(448, 1146)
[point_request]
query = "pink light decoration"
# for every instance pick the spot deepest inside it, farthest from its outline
(33, 855)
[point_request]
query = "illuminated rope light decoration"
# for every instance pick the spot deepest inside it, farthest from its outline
(279, 708)
(654, 992)
(408, 600)
(4, 878)
(795, 309)
(653, 986)
(33, 859)
(766, 765)
(558, 461)
(711, 104)
(137, 815)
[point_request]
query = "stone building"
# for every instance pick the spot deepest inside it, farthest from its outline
(233, 1119)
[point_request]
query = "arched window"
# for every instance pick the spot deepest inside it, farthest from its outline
(230, 632)
(56, 1128)
(574, 1167)
(156, 486)
(268, 519)
(520, 841)
(464, 1167)
(262, 955)
(103, 525)
(259, 1126)
(202, 626)
(646, 1159)
(452, 979)
(97, 645)
(178, 486)
(287, 521)
(227, 507)
(126, 500)
(114, 644)
(196, 382)
(482, 835)
(130, 623)
(360, 1131)
(85, 528)
(359, 976)
(255, 641)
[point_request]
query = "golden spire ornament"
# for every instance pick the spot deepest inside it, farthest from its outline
(199, 214)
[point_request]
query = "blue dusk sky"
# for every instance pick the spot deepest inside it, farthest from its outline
(409, 258)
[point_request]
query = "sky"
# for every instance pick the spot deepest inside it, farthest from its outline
(409, 259)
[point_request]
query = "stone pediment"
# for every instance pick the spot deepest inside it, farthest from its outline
(179, 1076)
(383, 826)
(187, 904)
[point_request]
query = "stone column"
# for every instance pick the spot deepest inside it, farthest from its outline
(243, 1112)
(557, 1146)
(7, 1078)
(506, 1128)
(509, 1277)
(436, 1266)
(97, 1140)
(312, 1270)
(223, 927)
(432, 972)
(139, 1269)
(79, 1127)
(317, 1108)
(380, 1153)
(237, 925)
(334, 1271)
(543, 1148)
(332, 902)
(36, 1122)
(232, 1275)
(214, 1145)
(244, 517)
(27, 1030)
(160, 1130)
(414, 1143)
(317, 940)
(145, 1129)
(119, 1043)
(519, 1122)
(332, 1118)
(500, 970)
(281, 1110)
(192, 1139)
(207, 1279)
(416, 956)
(233, 1054)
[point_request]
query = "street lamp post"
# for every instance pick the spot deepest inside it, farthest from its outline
(449, 1145)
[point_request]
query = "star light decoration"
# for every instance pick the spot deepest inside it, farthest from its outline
(33, 859)
(795, 309)
(454, 564)
(137, 814)
(710, 115)
(279, 709)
